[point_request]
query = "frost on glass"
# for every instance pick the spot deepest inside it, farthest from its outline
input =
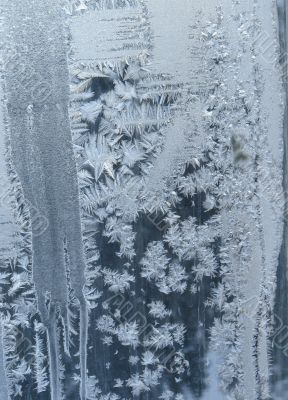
(143, 148)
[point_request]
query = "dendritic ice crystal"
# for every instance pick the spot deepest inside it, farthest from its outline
(143, 201)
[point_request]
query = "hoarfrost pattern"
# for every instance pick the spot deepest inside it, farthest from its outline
(177, 136)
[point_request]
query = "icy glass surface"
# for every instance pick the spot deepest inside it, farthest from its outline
(143, 201)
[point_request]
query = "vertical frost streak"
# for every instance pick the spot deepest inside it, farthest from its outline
(37, 92)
